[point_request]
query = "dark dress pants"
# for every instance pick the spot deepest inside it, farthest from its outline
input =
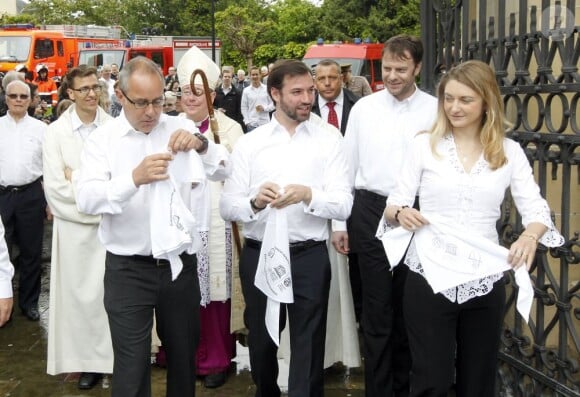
(23, 214)
(445, 335)
(386, 356)
(307, 317)
(134, 288)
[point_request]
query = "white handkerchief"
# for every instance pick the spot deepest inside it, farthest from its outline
(273, 275)
(172, 226)
(451, 257)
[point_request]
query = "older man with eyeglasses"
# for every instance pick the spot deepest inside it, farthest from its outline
(78, 333)
(135, 169)
(22, 203)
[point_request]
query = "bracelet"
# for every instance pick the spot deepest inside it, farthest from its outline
(254, 206)
(399, 211)
(530, 236)
(204, 142)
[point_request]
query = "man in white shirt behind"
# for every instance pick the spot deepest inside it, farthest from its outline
(22, 203)
(124, 167)
(256, 102)
(380, 129)
(79, 339)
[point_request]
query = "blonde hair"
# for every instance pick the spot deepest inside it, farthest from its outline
(480, 78)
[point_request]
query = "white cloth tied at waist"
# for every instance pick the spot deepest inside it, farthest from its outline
(451, 256)
(273, 275)
(173, 228)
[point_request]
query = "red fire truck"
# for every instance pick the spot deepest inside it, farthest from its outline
(56, 46)
(364, 58)
(166, 51)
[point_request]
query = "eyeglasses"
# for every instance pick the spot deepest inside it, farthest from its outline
(143, 103)
(22, 97)
(85, 90)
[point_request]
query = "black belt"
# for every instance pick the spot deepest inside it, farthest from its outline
(149, 259)
(368, 195)
(295, 248)
(16, 189)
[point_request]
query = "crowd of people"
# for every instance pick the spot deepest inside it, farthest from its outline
(190, 207)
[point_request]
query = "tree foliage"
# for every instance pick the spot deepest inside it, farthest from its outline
(252, 31)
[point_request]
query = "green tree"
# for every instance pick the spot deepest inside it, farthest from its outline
(244, 28)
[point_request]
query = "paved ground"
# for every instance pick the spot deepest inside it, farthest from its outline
(23, 365)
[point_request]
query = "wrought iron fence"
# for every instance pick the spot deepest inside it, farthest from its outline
(533, 47)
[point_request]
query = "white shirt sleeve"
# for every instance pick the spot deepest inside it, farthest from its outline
(6, 268)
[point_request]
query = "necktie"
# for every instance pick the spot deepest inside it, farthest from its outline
(332, 116)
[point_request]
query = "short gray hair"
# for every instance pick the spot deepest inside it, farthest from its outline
(136, 65)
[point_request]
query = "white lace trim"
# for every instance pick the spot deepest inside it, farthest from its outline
(462, 293)
(203, 264)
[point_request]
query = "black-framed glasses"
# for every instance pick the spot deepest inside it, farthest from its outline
(22, 97)
(143, 103)
(85, 90)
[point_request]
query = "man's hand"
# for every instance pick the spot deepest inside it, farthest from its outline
(68, 173)
(5, 310)
(340, 242)
(183, 141)
(267, 193)
(48, 213)
(293, 194)
(153, 168)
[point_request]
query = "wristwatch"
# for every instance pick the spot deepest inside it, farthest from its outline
(204, 142)
(254, 206)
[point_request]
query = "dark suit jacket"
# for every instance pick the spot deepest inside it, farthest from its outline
(231, 102)
(349, 100)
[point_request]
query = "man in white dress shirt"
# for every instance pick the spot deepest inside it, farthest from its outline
(256, 102)
(79, 339)
(379, 132)
(22, 203)
(293, 164)
(122, 164)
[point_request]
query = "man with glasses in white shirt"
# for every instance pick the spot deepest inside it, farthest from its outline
(123, 163)
(79, 339)
(22, 203)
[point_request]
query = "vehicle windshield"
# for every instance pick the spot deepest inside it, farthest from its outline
(14, 48)
(356, 64)
(101, 57)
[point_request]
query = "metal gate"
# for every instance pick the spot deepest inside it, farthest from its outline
(533, 47)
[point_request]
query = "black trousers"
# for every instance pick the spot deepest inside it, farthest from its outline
(23, 214)
(134, 287)
(386, 355)
(307, 317)
(445, 336)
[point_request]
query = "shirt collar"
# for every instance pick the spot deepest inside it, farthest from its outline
(76, 121)
(304, 127)
(125, 127)
(407, 101)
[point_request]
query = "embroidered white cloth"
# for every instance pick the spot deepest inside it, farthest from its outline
(172, 225)
(451, 256)
(273, 275)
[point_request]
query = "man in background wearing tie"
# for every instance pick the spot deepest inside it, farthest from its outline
(333, 104)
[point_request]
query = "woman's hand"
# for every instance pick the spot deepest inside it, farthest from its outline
(523, 251)
(409, 218)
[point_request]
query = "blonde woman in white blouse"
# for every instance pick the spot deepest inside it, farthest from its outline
(461, 170)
